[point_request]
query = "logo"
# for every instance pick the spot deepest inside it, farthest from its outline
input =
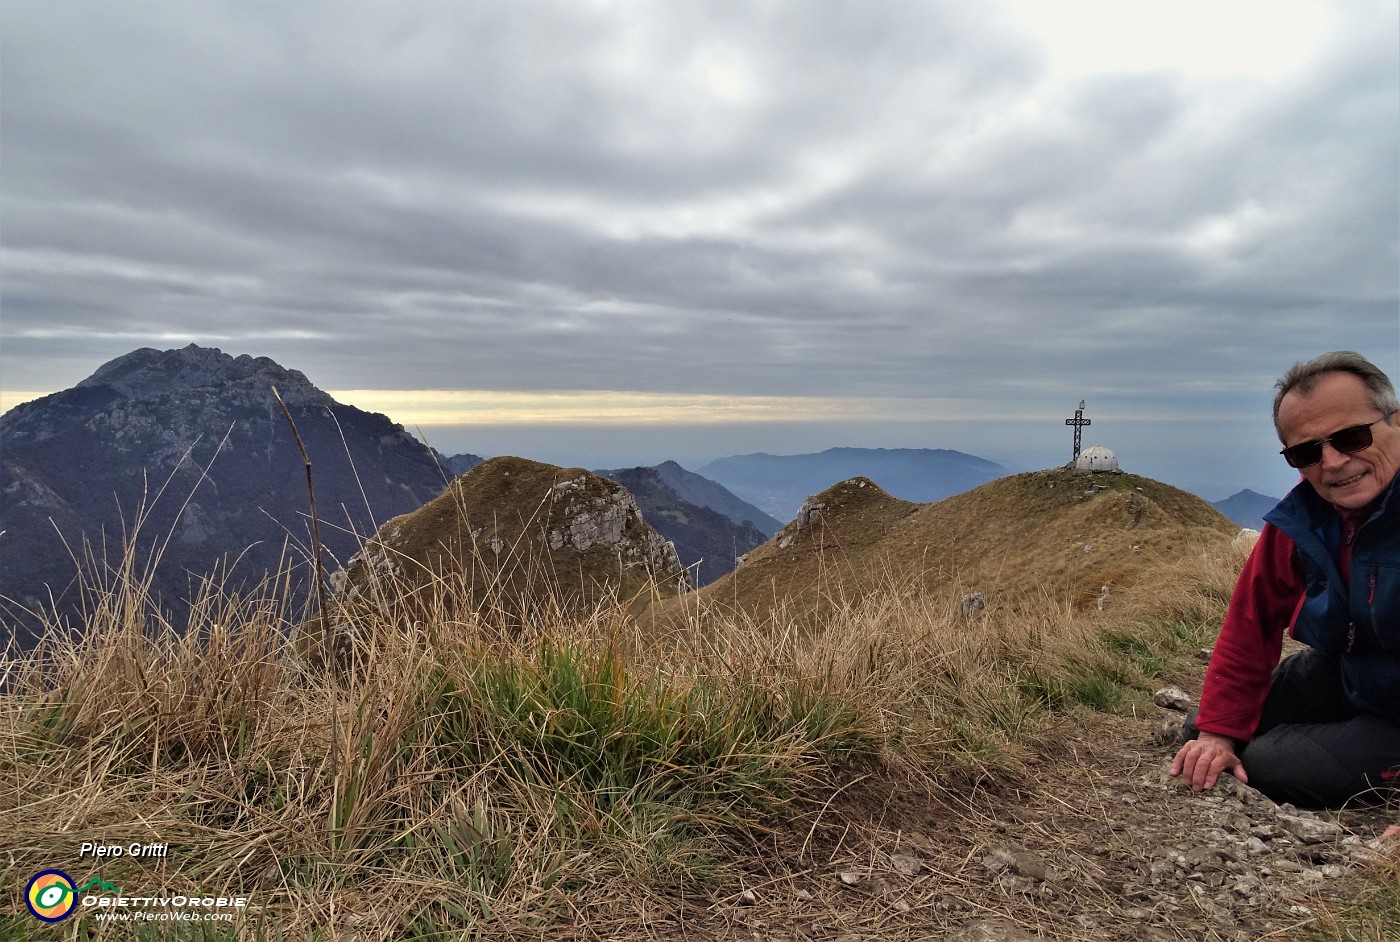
(50, 896)
(100, 884)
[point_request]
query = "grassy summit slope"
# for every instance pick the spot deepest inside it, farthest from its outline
(1045, 531)
(1046, 528)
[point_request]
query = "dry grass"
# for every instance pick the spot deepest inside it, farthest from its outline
(575, 776)
(1024, 535)
(1372, 914)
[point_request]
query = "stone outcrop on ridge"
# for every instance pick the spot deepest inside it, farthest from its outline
(510, 542)
(708, 541)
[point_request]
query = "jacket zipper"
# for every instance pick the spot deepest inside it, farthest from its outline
(1349, 535)
(1370, 603)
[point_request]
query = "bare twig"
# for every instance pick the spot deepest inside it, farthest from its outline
(326, 628)
(316, 550)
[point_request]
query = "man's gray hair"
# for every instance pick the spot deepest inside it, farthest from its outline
(1303, 375)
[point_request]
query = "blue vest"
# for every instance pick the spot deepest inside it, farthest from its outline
(1358, 620)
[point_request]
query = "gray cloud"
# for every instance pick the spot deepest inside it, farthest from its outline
(873, 199)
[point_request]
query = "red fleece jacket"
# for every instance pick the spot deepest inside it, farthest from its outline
(1265, 601)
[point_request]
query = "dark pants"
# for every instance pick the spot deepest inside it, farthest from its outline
(1311, 748)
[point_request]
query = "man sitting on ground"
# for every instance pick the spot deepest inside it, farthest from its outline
(1322, 728)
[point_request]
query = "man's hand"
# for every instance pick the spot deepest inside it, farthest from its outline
(1200, 761)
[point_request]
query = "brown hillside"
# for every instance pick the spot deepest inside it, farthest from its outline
(1054, 531)
(509, 541)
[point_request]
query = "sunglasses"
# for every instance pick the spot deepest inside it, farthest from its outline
(1348, 441)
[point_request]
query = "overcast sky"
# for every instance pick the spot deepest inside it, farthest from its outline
(615, 233)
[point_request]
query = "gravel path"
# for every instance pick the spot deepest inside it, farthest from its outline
(1095, 843)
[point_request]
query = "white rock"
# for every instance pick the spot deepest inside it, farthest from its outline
(909, 866)
(1173, 698)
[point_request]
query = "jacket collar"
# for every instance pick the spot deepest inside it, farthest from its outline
(1303, 501)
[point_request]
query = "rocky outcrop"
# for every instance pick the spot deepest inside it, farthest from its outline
(848, 503)
(510, 543)
(585, 512)
(708, 542)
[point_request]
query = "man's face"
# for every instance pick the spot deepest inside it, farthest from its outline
(1338, 401)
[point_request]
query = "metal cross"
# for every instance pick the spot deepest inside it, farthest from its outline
(1078, 422)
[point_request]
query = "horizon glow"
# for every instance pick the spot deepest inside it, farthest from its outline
(488, 407)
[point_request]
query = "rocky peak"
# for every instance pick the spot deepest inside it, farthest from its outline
(202, 428)
(175, 396)
(148, 372)
(690, 512)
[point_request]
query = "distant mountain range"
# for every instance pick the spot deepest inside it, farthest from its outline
(779, 483)
(1246, 508)
(709, 527)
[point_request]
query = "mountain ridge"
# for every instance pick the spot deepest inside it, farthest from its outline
(705, 492)
(194, 439)
(779, 483)
(707, 541)
(1076, 535)
(189, 451)
(1246, 507)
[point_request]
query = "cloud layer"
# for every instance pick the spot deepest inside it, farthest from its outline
(972, 204)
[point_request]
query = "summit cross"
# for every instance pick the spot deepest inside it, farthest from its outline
(1078, 422)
